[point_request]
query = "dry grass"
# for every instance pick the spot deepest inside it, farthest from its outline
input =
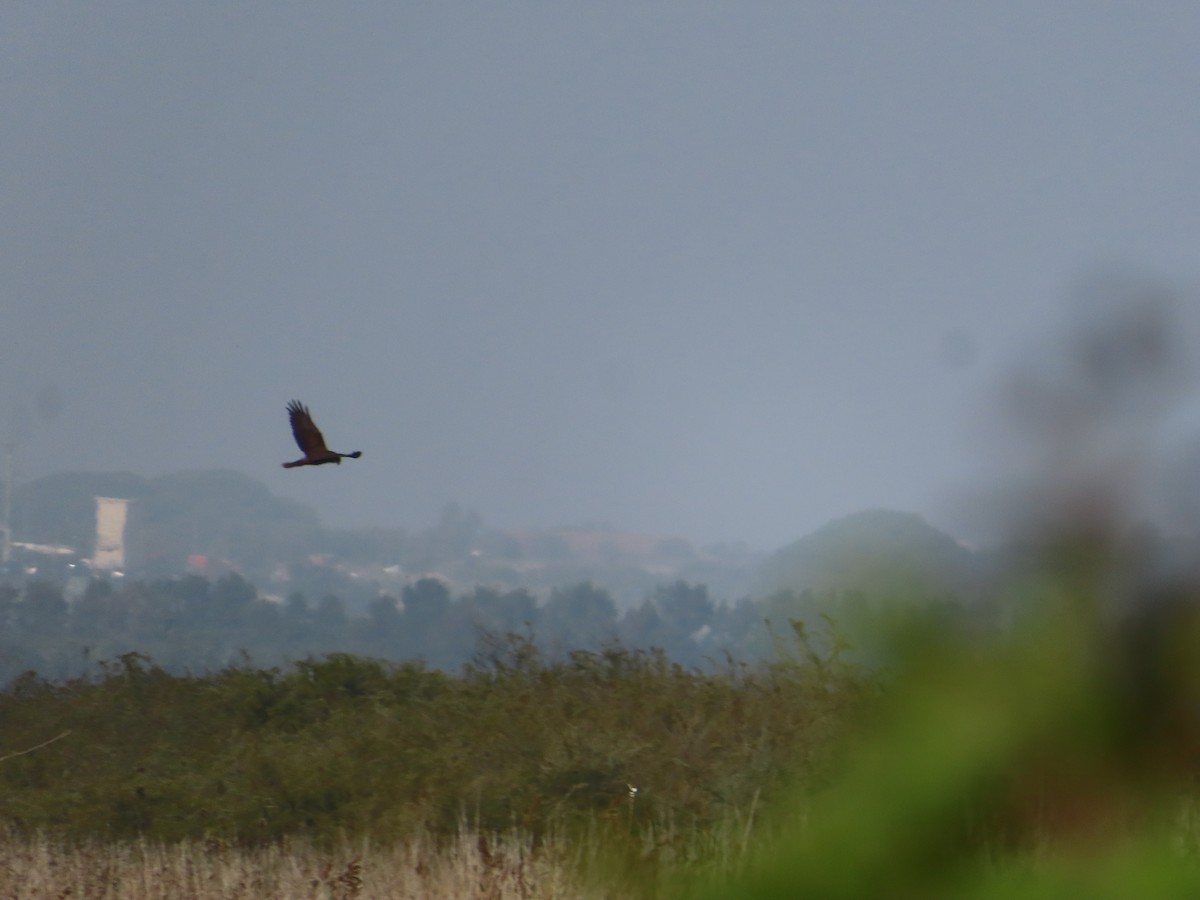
(470, 866)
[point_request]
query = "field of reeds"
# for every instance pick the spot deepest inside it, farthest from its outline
(351, 747)
(520, 777)
(421, 867)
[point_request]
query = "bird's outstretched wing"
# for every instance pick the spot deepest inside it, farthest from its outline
(307, 435)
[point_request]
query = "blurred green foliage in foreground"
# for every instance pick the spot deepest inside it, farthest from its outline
(1053, 757)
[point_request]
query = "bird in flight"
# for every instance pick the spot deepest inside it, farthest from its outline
(309, 437)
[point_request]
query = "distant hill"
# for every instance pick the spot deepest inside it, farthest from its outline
(221, 514)
(878, 552)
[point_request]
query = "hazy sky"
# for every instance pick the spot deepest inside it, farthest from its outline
(722, 270)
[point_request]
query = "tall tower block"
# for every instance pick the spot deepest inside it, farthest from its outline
(111, 513)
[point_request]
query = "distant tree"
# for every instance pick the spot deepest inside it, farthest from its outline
(426, 622)
(186, 598)
(500, 612)
(686, 608)
(329, 621)
(259, 629)
(43, 611)
(315, 580)
(734, 627)
(297, 618)
(425, 604)
(231, 598)
(381, 631)
(578, 617)
(383, 614)
(10, 596)
(686, 616)
(92, 614)
(643, 628)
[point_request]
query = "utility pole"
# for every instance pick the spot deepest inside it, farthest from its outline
(6, 508)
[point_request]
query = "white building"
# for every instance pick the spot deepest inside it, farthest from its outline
(111, 513)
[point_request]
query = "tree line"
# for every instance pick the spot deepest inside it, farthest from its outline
(194, 624)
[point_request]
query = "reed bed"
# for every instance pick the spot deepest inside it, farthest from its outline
(471, 865)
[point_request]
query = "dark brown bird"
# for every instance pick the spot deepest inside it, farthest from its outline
(309, 437)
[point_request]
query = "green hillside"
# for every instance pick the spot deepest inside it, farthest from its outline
(877, 553)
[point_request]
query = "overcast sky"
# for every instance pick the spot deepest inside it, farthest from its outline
(718, 270)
